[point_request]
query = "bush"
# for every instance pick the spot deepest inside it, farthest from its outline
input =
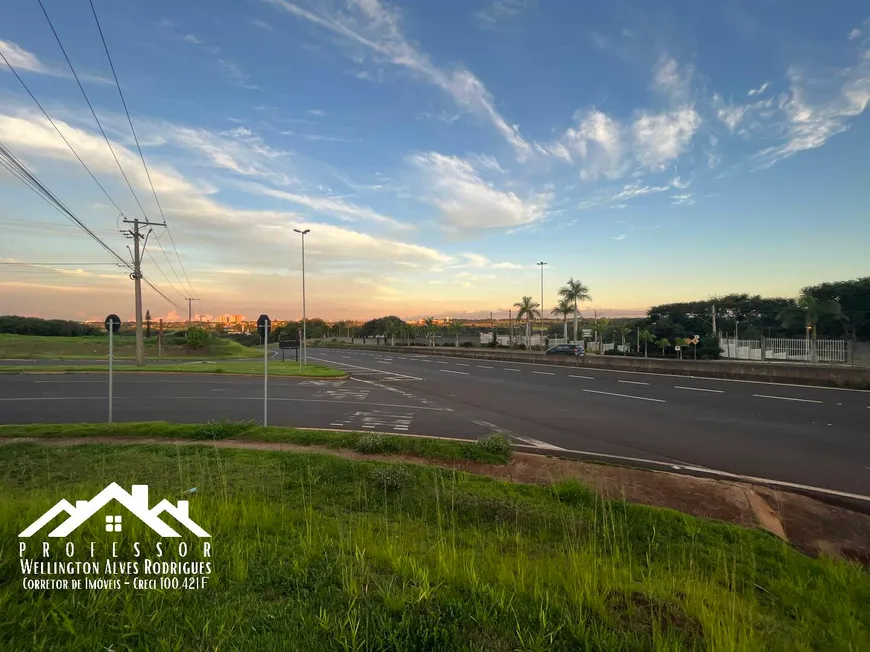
(221, 429)
(391, 477)
(197, 338)
(571, 492)
(468, 345)
(496, 444)
(372, 442)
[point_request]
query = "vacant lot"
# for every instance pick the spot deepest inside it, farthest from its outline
(316, 552)
(26, 347)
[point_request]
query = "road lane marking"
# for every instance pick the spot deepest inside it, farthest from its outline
(787, 398)
(632, 382)
(383, 362)
(544, 373)
(583, 377)
(508, 369)
(462, 364)
(537, 443)
(483, 366)
(639, 398)
(347, 364)
(448, 371)
(440, 362)
(700, 389)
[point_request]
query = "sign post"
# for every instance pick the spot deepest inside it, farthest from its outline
(298, 357)
(263, 324)
(113, 325)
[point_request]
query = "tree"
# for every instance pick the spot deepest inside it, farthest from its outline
(646, 337)
(455, 327)
(530, 310)
(430, 330)
(196, 338)
(600, 325)
(623, 331)
(575, 292)
(565, 307)
(663, 344)
(854, 299)
(147, 323)
(809, 310)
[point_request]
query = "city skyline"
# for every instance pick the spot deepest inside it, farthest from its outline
(436, 154)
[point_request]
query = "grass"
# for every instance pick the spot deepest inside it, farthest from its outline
(365, 442)
(35, 347)
(316, 552)
(276, 368)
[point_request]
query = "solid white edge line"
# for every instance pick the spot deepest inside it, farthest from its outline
(448, 371)
(673, 376)
(639, 398)
(787, 398)
(700, 389)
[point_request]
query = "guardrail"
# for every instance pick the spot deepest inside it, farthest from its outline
(845, 377)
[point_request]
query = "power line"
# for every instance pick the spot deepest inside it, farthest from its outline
(141, 155)
(90, 106)
(60, 133)
(154, 287)
(151, 258)
(37, 186)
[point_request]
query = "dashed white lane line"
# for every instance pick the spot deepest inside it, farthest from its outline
(462, 364)
(508, 369)
(700, 389)
(544, 373)
(583, 377)
(787, 398)
(639, 398)
(483, 366)
(440, 362)
(632, 382)
(448, 371)
(427, 361)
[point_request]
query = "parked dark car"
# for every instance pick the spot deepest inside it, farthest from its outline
(565, 349)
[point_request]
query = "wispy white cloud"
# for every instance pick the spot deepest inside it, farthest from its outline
(236, 75)
(672, 80)
(661, 138)
(318, 112)
(375, 27)
(476, 261)
(759, 90)
(262, 24)
(192, 38)
(683, 200)
(855, 34)
(467, 202)
(621, 236)
(501, 10)
(24, 61)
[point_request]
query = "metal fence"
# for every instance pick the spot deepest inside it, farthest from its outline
(795, 349)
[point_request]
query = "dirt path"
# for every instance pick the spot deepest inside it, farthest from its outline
(810, 525)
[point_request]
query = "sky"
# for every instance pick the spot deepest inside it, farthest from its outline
(437, 151)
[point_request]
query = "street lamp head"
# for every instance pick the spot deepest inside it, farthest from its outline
(302, 232)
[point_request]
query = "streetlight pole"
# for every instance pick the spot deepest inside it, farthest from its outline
(304, 343)
(542, 263)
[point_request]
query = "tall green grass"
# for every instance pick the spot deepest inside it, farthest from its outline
(314, 552)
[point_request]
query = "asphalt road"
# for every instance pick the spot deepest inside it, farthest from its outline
(818, 437)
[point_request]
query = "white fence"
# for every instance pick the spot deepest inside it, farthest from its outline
(795, 349)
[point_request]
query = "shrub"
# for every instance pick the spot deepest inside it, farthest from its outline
(221, 429)
(372, 442)
(197, 338)
(391, 477)
(468, 345)
(496, 444)
(571, 492)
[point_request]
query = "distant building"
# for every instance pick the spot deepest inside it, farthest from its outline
(230, 319)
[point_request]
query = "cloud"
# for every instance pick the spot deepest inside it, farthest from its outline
(467, 202)
(633, 190)
(671, 80)
(23, 61)
(476, 261)
(317, 112)
(191, 38)
(501, 10)
(661, 138)
(597, 141)
(236, 75)
(759, 90)
(854, 34)
(375, 28)
(621, 236)
(262, 24)
(812, 116)
(683, 200)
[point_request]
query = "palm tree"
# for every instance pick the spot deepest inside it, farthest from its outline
(646, 337)
(430, 329)
(564, 308)
(456, 328)
(807, 311)
(574, 292)
(530, 310)
(663, 344)
(623, 331)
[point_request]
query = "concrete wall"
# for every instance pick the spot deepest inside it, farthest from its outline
(827, 376)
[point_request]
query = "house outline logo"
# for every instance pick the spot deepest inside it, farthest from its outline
(136, 501)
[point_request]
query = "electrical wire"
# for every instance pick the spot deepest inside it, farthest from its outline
(142, 156)
(90, 106)
(148, 253)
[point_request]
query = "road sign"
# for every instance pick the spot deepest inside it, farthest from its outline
(288, 344)
(694, 340)
(587, 332)
(113, 323)
(676, 348)
(264, 324)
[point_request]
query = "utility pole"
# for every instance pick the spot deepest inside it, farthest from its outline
(137, 279)
(542, 263)
(715, 333)
(190, 301)
(510, 328)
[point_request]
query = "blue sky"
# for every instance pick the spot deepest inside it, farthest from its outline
(437, 151)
